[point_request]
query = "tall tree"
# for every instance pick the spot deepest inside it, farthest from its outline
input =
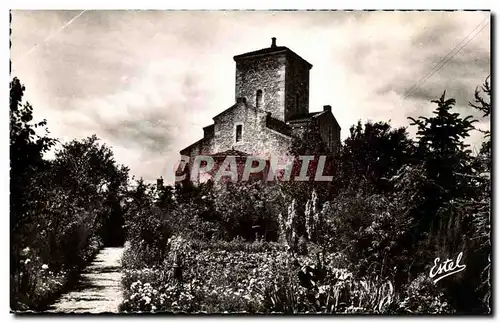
(29, 140)
(90, 175)
(441, 145)
(483, 105)
(446, 219)
(372, 153)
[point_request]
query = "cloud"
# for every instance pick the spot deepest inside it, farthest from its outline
(388, 54)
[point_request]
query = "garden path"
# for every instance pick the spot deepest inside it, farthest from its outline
(99, 287)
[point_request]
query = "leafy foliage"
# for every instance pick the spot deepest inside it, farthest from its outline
(26, 151)
(372, 153)
(481, 103)
(58, 207)
(363, 243)
(442, 148)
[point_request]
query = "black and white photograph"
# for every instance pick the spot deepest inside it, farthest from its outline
(250, 162)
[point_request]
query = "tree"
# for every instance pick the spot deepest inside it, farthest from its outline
(479, 210)
(88, 172)
(247, 209)
(371, 155)
(447, 163)
(58, 206)
(26, 151)
(309, 143)
(484, 105)
(27, 146)
(441, 145)
(455, 217)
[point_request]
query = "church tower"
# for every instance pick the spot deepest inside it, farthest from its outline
(270, 111)
(274, 79)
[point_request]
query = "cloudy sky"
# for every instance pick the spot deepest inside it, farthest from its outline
(146, 82)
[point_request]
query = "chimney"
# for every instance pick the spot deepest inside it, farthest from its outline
(159, 183)
(327, 108)
(208, 131)
(273, 42)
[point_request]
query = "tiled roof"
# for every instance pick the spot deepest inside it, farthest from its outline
(262, 51)
(306, 117)
(192, 145)
(269, 50)
(228, 109)
(278, 125)
(230, 152)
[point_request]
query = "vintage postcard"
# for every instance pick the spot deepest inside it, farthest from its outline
(250, 162)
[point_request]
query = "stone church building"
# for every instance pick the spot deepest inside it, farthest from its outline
(271, 108)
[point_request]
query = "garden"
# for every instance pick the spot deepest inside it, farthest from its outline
(363, 243)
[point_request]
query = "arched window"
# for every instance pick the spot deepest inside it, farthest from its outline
(239, 133)
(258, 99)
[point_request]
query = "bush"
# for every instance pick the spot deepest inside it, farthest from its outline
(369, 230)
(254, 277)
(423, 296)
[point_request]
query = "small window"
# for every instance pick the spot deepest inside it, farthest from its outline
(239, 130)
(258, 99)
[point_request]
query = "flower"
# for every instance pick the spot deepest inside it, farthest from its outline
(44, 266)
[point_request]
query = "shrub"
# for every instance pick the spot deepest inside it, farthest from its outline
(423, 296)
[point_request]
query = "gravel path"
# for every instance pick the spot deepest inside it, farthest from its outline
(99, 288)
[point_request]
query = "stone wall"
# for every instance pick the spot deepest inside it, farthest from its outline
(329, 130)
(257, 139)
(266, 74)
(297, 86)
